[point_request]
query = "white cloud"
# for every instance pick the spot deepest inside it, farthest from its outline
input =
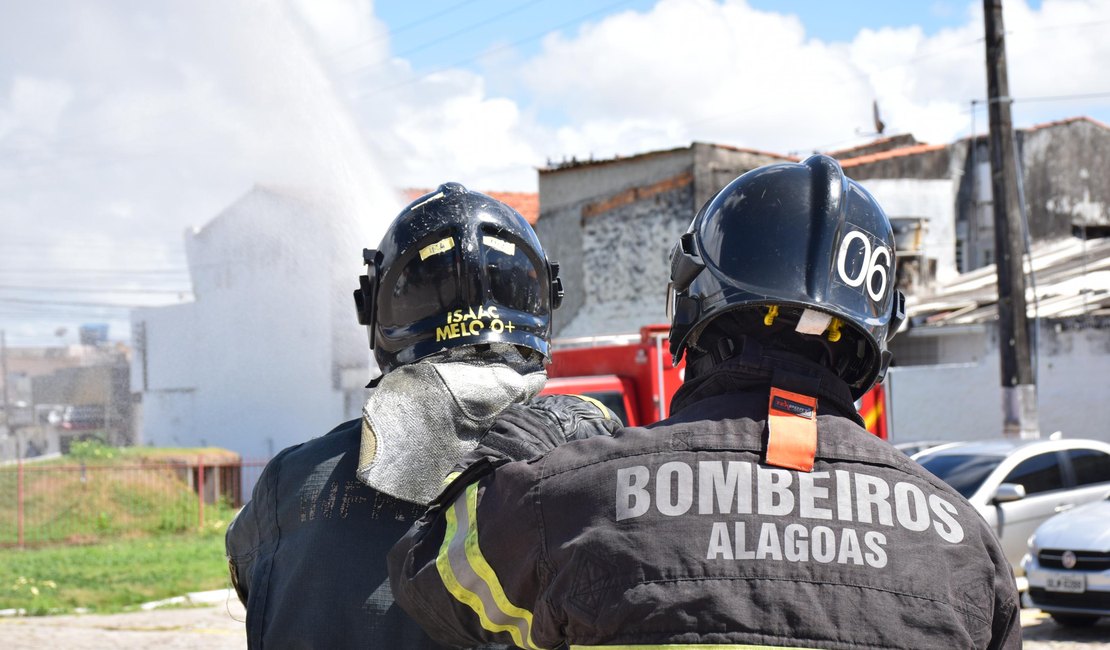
(723, 71)
(125, 127)
(37, 104)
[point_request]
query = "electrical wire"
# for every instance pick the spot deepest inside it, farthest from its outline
(76, 303)
(55, 289)
(397, 30)
(499, 48)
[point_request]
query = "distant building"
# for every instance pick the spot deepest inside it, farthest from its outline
(50, 387)
(269, 353)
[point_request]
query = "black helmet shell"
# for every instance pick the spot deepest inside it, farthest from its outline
(796, 235)
(456, 268)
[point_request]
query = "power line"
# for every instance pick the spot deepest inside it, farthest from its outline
(499, 48)
(1054, 98)
(397, 30)
(981, 104)
(133, 290)
(86, 272)
(447, 37)
(76, 303)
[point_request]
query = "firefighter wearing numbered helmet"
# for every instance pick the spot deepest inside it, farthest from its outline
(457, 300)
(761, 513)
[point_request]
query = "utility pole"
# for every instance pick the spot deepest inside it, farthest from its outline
(1019, 392)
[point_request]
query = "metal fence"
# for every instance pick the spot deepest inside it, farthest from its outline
(92, 501)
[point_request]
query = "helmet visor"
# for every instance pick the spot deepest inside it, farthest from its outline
(427, 285)
(515, 279)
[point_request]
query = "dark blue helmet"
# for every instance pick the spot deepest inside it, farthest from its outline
(456, 268)
(793, 237)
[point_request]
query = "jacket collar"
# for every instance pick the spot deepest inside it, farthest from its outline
(755, 369)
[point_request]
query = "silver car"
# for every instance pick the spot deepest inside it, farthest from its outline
(1068, 565)
(1017, 484)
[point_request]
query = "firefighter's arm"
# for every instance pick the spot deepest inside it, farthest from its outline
(243, 538)
(526, 431)
(1006, 625)
(470, 571)
(240, 552)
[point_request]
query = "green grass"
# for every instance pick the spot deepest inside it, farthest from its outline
(100, 493)
(114, 576)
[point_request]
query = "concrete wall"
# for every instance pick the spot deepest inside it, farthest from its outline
(936, 163)
(625, 263)
(611, 226)
(964, 401)
(716, 166)
(1067, 176)
(568, 194)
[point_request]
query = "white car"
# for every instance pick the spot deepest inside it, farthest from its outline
(1068, 565)
(1017, 484)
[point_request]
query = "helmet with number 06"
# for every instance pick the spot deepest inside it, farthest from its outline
(803, 238)
(456, 268)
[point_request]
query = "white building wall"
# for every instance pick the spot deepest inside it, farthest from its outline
(932, 200)
(964, 401)
(265, 357)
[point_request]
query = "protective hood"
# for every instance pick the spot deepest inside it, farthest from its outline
(423, 417)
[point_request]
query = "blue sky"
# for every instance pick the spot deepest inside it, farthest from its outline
(442, 32)
(124, 124)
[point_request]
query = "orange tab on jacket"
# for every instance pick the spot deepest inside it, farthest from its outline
(792, 426)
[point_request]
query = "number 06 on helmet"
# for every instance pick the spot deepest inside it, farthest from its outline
(795, 235)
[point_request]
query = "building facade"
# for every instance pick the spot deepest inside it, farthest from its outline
(610, 225)
(269, 353)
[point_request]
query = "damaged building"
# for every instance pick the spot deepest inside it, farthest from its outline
(610, 225)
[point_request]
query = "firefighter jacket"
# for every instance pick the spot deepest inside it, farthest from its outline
(681, 535)
(307, 553)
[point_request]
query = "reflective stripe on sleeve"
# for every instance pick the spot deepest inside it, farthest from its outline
(690, 647)
(596, 402)
(471, 580)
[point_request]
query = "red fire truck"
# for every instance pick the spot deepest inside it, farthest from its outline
(633, 376)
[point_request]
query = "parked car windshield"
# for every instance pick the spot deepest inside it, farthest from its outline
(964, 472)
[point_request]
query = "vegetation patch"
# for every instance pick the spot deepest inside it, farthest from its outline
(100, 493)
(115, 576)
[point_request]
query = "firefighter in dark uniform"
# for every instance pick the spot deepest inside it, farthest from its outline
(761, 514)
(307, 553)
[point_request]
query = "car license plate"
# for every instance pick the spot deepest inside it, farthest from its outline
(1075, 584)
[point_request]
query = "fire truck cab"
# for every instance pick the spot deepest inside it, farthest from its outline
(634, 377)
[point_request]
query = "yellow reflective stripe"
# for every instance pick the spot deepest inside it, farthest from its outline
(462, 594)
(486, 572)
(690, 647)
(450, 478)
(601, 407)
